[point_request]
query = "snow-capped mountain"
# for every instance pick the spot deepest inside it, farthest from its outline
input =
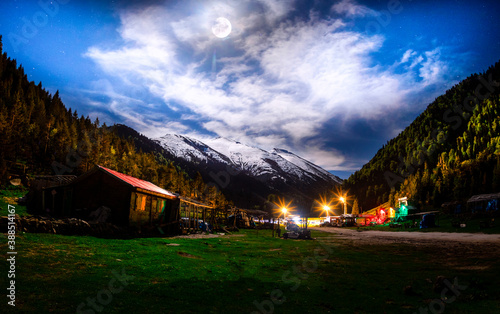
(277, 168)
(246, 175)
(277, 164)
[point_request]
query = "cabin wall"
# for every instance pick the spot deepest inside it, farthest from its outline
(100, 189)
(146, 209)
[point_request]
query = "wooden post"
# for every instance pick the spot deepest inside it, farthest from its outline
(189, 218)
(274, 227)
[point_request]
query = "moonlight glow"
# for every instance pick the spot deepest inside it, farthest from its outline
(222, 27)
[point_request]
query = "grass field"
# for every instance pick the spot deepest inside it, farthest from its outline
(246, 272)
(9, 196)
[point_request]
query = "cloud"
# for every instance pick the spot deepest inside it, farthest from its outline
(351, 9)
(275, 87)
(406, 56)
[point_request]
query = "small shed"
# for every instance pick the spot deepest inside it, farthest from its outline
(128, 200)
(37, 201)
(484, 203)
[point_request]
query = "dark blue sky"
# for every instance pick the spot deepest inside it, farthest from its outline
(329, 80)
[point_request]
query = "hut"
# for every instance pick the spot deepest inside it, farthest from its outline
(483, 203)
(106, 195)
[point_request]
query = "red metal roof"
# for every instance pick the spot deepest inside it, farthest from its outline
(138, 183)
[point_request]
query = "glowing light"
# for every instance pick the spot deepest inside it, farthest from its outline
(403, 210)
(392, 213)
(323, 204)
(342, 199)
(283, 207)
(222, 27)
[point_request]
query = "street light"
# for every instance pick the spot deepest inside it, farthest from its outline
(284, 210)
(326, 208)
(342, 199)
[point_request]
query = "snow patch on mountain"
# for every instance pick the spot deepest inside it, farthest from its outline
(189, 149)
(307, 165)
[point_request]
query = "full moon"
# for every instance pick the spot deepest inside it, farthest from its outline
(222, 27)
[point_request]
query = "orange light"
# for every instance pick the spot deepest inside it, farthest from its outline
(323, 204)
(283, 207)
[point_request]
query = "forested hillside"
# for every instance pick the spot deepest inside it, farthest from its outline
(450, 152)
(39, 135)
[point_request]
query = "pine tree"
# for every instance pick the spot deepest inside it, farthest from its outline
(355, 207)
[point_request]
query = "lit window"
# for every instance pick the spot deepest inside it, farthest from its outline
(141, 202)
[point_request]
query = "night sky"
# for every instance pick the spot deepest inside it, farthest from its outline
(331, 81)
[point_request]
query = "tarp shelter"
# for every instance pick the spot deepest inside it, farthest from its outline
(132, 201)
(484, 203)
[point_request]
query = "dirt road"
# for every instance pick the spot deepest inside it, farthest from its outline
(473, 251)
(413, 237)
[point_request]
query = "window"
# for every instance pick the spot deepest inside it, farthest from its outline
(140, 203)
(161, 206)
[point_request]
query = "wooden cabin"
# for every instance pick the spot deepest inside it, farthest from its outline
(132, 201)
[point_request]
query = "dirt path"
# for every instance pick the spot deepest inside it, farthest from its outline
(473, 251)
(414, 237)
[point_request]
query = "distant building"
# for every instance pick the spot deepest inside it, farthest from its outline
(484, 203)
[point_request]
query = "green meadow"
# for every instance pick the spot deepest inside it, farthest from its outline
(245, 272)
